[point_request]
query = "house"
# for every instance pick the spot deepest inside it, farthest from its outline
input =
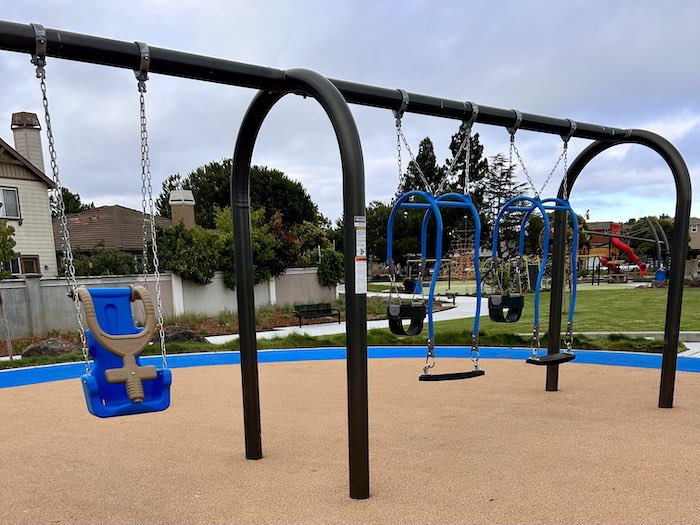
(116, 226)
(24, 198)
(694, 235)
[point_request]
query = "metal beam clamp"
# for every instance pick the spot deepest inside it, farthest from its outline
(39, 55)
(474, 112)
(572, 130)
(142, 73)
(518, 121)
(398, 113)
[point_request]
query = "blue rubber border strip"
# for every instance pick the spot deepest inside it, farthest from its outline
(44, 374)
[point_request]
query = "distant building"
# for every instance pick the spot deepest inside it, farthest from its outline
(115, 226)
(24, 198)
(694, 235)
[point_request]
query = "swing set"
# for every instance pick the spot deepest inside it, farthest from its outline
(334, 96)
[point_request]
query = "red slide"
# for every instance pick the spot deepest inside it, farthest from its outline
(624, 248)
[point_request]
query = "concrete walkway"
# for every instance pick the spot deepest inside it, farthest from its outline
(464, 307)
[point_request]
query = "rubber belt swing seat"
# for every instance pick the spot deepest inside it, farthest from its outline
(499, 304)
(398, 313)
(551, 359)
(451, 376)
(118, 384)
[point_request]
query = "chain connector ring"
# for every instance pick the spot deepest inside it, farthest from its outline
(142, 72)
(39, 55)
(398, 113)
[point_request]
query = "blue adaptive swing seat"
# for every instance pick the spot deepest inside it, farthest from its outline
(117, 384)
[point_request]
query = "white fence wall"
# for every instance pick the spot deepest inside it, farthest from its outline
(36, 305)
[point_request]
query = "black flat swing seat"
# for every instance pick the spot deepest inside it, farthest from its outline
(551, 359)
(506, 308)
(415, 312)
(451, 376)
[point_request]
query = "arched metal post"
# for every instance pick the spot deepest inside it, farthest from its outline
(318, 87)
(679, 251)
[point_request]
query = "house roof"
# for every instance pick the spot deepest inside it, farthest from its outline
(10, 155)
(118, 226)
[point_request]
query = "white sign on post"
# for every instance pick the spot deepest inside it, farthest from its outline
(360, 254)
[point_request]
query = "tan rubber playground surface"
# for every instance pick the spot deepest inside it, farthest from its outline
(496, 449)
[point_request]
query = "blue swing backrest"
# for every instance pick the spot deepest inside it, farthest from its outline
(113, 312)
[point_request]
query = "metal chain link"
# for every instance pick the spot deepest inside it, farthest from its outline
(563, 156)
(400, 137)
(554, 169)
(68, 262)
(398, 146)
(149, 216)
(566, 171)
(145, 168)
(474, 352)
(450, 170)
(513, 148)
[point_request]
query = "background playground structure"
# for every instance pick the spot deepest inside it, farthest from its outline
(608, 246)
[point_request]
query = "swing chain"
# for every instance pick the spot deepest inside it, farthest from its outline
(429, 358)
(148, 206)
(566, 138)
(393, 289)
(474, 354)
(466, 144)
(564, 156)
(569, 337)
(535, 341)
(400, 137)
(519, 269)
(513, 148)
(39, 60)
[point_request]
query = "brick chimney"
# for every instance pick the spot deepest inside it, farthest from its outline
(27, 132)
(182, 207)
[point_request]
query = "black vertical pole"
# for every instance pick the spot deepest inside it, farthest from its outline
(243, 263)
(313, 84)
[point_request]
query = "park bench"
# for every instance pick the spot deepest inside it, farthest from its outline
(310, 311)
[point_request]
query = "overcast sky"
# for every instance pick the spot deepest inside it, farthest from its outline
(629, 64)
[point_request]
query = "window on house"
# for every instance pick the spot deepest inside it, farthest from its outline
(693, 228)
(12, 266)
(10, 203)
(30, 264)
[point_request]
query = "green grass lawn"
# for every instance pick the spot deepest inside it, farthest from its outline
(618, 310)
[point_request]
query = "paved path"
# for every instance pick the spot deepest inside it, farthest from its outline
(464, 307)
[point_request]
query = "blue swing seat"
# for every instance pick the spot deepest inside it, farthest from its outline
(112, 311)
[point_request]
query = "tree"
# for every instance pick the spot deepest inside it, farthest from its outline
(330, 269)
(459, 222)
(268, 240)
(71, 202)
(104, 260)
(162, 204)
(269, 189)
(273, 190)
(192, 253)
(7, 254)
(499, 187)
(427, 162)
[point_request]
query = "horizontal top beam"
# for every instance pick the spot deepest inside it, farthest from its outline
(116, 53)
